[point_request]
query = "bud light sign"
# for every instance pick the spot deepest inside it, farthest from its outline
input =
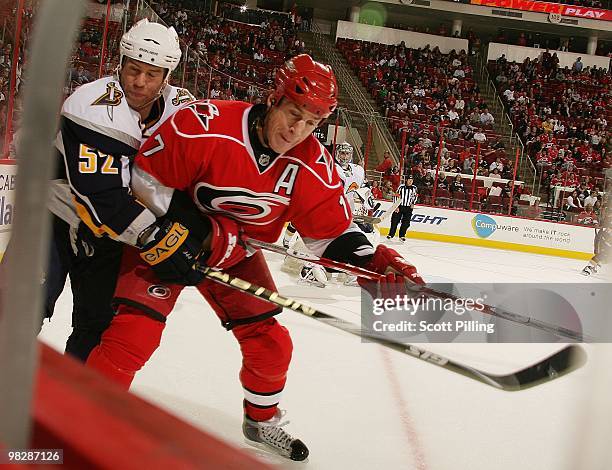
(428, 219)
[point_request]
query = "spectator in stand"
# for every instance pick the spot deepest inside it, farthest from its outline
(459, 73)
(588, 216)
(453, 117)
(88, 51)
(468, 165)
(394, 177)
(452, 134)
(426, 142)
(497, 165)
(474, 118)
(387, 163)
(443, 183)
(460, 104)
(215, 92)
(387, 190)
(578, 65)
(507, 189)
(452, 167)
(583, 192)
(79, 75)
(597, 208)
(501, 78)
(508, 171)
(486, 118)
(590, 200)
(573, 201)
(509, 94)
(480, 136)
(418, 174)
(376, 191)
(457, 185)
(495, 174)
(428, 181)
(444, 159)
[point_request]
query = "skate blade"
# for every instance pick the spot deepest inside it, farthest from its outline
(268, 455)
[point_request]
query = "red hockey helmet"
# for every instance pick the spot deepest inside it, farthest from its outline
(309, 84)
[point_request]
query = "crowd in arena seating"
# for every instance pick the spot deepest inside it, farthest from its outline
(427, 94)
(562, 116)
(9, 9)
(249, 51)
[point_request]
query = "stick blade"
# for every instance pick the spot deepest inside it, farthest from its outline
(561, 363)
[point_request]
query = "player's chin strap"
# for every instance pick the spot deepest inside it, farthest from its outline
(261, 130)
(152, 100)
(117, 74)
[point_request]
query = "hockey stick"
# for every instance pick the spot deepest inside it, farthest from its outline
(560, 363)
(389, 212)
(373, 276)
(366, 219)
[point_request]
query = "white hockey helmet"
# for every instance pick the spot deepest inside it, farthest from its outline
(344, 154)
(151, 43)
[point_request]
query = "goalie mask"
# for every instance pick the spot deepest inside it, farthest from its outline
(344, 154)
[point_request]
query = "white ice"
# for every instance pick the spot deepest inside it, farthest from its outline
(362, 406)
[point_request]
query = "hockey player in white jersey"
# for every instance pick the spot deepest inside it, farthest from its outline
(356, 188)
(361, 203)
(603, 238)
(94, 213)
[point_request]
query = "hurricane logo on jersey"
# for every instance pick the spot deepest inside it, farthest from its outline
(241, 204)
(205, 111)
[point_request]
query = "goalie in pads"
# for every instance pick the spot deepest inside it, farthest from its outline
(361, 202)
(603, 235)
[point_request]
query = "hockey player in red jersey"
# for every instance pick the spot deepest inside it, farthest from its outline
(248, 169)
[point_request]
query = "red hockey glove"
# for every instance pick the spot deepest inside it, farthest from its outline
(396, 270)
(227, 246)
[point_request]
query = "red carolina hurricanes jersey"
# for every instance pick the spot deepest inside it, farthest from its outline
(209, 149)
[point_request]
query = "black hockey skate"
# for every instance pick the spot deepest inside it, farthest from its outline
(270, 435)
(589, 269)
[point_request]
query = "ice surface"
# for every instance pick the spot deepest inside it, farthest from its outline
(361, 406)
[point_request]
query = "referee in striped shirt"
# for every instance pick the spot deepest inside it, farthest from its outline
(407, 193)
